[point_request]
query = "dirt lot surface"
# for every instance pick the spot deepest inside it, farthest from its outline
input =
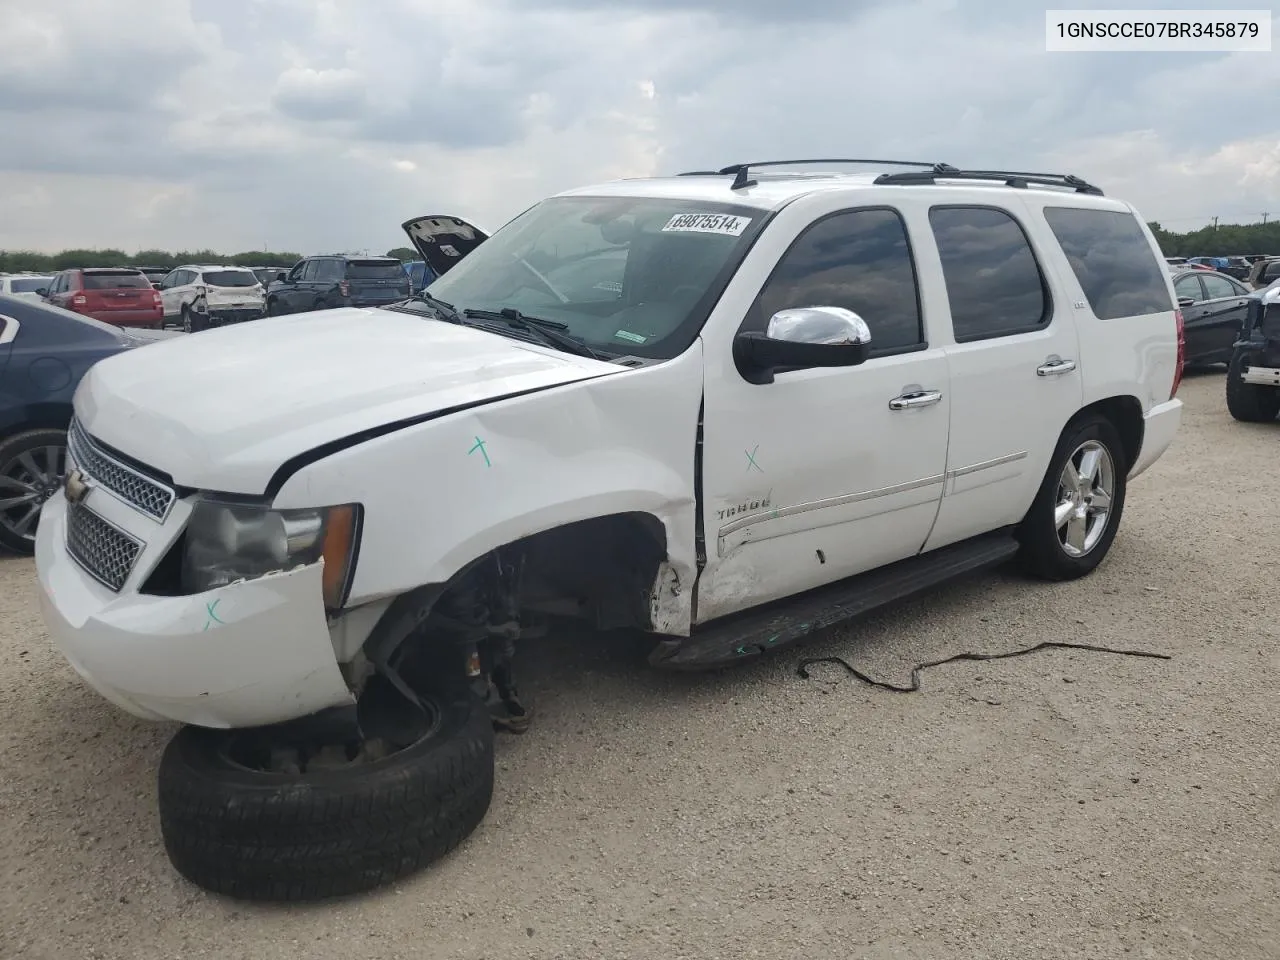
(1064, 804)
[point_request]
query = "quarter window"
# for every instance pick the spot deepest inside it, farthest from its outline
(1112, 260)
(993, 282)
(858, 259)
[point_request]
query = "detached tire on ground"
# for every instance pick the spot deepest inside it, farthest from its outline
(333, 832)
(1070, 526)
(1249, 402)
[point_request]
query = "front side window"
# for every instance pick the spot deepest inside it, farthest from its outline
(993, 282)
(1112, 260)
(624, 275)
(856, 259)
(27, 284)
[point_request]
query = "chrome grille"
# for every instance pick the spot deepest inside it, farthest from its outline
(135, 488)
(105, 552)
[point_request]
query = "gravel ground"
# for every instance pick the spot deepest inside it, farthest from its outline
(1064, 804)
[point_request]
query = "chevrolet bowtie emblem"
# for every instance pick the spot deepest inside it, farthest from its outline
(75, 486)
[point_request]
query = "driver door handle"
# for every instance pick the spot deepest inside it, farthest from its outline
(1055, 367)
(920, 398)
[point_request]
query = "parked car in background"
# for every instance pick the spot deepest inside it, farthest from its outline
(26, 285)
(154, 274)
(44, 351)
(198, 297)
(1213, 309)
(121, 296)
(1253, 376)
(1263, 273)
(1237, 267)
(320, 283)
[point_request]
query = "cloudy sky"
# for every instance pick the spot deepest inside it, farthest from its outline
(320, 125)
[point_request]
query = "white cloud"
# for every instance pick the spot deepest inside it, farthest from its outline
(318, 124)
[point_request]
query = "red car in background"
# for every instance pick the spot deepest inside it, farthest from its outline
(120, 296)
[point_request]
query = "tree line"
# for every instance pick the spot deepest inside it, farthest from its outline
(1224, 240)
(24, 261)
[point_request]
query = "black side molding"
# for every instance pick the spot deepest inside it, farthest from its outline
(744, 636)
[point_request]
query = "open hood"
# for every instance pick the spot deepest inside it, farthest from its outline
(442, 241)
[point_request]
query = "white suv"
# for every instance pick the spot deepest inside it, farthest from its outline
(725, 408)
(199, 297)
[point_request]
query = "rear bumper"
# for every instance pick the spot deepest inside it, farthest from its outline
(221, 316)
(1160, 426)
(129, 318)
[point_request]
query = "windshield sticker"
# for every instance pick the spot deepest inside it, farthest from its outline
(720, 223)
(628, 335)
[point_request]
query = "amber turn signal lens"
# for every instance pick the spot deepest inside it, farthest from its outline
(339, 544)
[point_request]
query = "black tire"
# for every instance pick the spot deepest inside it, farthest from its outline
(277, 837)
(1249, 402)
(15, 483)
(1043, 554)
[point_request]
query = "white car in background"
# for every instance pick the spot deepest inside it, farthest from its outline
(198, 297)
(24, 285)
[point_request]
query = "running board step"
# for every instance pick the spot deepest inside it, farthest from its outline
(743, 636)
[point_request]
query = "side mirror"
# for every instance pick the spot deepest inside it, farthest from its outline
(1186, 302)
(42, 292)
(803, 337)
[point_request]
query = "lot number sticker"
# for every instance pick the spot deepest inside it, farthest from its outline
(721, 223)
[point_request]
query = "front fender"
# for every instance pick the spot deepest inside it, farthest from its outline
(439, 494)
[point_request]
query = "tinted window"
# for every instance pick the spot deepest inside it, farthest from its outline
(309, 270)
(993, 282)
(1112, 260)
(373, 270)
(1271, 271)
(330, 271)
(27, 284)
(1217, 287)
(230, 278)
(1189, 287)
(114, 280)
(859, 260)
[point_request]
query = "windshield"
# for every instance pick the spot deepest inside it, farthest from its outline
(375, 270)
(230, 278)
(28, 284)
(634, 276)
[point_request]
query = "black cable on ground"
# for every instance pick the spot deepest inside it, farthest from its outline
(803, 668)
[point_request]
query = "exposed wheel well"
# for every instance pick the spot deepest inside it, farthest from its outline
(43, 416)
(1125, 414)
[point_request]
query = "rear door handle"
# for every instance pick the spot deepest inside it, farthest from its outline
(1055, 367)
(921, 398)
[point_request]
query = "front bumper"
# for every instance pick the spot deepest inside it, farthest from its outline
(251, 653)
(1160, 425)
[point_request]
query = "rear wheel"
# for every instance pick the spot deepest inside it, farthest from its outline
(1249, 402)
(32, 467)
(1075, 516)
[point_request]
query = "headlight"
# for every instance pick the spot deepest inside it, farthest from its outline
(226, 542)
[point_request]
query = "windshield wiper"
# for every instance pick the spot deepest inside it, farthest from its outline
(445, 311)
(549, 331)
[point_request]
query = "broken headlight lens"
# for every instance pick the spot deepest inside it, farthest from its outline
(226, 542)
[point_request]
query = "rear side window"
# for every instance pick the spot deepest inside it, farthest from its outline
(993, 281)
(375, 270)
(856, 259)
(229, 278)
(328, 271)
(115, 280)
(1112, 259)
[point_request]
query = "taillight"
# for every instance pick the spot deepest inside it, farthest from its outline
(344, 288)
(79, 300)
(1182, 354)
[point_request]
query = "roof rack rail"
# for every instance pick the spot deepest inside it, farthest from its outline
(1011, 178)
(741, 171)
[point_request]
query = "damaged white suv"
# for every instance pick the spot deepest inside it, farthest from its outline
(726, 408)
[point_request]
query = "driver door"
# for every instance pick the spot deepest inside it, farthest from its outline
(825, 472)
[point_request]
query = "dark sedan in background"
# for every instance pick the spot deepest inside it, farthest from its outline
(1213, 308)
(44, 351)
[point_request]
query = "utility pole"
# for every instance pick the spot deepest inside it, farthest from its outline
(1215, 223)
(1264, 218)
